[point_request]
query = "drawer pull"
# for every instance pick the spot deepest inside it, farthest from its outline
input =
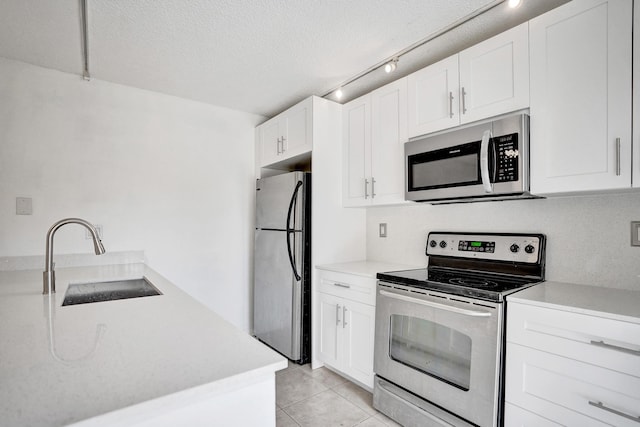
(599, 405)
(340, 285)
(615, 347)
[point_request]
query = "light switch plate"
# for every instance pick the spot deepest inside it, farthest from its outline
(635, 233)
(383, 229)
(24, 206)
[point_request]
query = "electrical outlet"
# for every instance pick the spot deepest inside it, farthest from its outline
(383, 229)
(24, 206)
(635, 233)
(87, 234)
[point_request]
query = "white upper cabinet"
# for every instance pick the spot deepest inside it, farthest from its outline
(581, 97)
(494, 75)
(356, 140)
(636, 98)
(486, 80)
(433, 98)
(374, 132)
(388, 135)
(287, 135)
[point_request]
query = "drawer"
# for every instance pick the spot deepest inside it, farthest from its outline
(515, 416)
(570, 392)
(608, 343)
(350, 286)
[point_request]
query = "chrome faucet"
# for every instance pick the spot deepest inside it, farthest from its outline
(49, 275)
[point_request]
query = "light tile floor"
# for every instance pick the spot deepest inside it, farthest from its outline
(310, 398)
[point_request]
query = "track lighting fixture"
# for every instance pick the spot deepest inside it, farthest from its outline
(514, 3)
(391, 66)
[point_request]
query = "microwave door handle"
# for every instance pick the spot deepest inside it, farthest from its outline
(484, 162)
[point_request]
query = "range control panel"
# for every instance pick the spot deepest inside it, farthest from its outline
(498, 247)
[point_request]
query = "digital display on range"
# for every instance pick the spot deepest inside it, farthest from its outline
(476, 246)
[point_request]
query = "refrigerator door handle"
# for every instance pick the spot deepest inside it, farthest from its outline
(291, 231)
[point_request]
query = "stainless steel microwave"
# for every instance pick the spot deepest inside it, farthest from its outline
(484, 161)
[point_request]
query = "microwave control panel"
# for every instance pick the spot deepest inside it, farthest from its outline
(506, 147)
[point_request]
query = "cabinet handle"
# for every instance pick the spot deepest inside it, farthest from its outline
(615, 347)
(282, 141)
(337, 314)
(450, 104)
(344, 316)
(341, 285)
(463, 94)
(617, 156)
(366, 188)
(278, 146)
(373, 191)
(600, 405)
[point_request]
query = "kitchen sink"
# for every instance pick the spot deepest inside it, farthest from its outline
(83, 293)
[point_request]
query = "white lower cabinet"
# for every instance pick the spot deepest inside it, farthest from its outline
(570, 368)
(346, 325)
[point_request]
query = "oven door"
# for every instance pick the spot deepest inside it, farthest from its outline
(445, 349)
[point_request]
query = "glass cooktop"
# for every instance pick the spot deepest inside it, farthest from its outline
(487, 286)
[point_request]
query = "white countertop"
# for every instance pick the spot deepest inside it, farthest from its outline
(365, 268)
(617, 304)
(61, 365)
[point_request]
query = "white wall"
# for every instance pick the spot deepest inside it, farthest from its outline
(166, 175)
(588, 238)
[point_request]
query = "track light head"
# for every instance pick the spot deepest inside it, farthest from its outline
(391, 66)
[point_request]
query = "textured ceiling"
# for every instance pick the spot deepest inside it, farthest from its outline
(258, 56)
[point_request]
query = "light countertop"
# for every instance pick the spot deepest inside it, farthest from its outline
(617, 304)
(365, 268)
(61, 365)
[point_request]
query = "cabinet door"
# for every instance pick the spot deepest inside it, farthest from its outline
(270, 135)
(388, 135)
(636, 99)
(518, 417)
(581, 97)
(329, 320)
(356, 181)
(298, 132)
(433, 98)
(494, 75)
(359, 329)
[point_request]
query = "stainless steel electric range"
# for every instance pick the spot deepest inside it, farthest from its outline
(439, 340)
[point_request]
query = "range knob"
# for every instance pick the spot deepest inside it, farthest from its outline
(514, 248)
(529, 249)
(443, 244)
(433, 243)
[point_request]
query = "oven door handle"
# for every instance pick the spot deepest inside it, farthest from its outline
(436, 305)
(484, 162)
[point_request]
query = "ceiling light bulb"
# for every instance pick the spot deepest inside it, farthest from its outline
(390, 66)
(514, 3)
(339, 93)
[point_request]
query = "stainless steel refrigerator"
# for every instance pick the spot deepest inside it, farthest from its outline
(282, 259)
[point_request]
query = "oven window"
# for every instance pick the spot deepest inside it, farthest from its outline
(448, 171)
(431, 348)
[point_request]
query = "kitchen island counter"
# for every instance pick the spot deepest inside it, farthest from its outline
(156, 360)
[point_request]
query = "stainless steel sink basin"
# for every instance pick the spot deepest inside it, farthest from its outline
(83, 293)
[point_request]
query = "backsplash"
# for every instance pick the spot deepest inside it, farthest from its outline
(588, 237)
(11, 263)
